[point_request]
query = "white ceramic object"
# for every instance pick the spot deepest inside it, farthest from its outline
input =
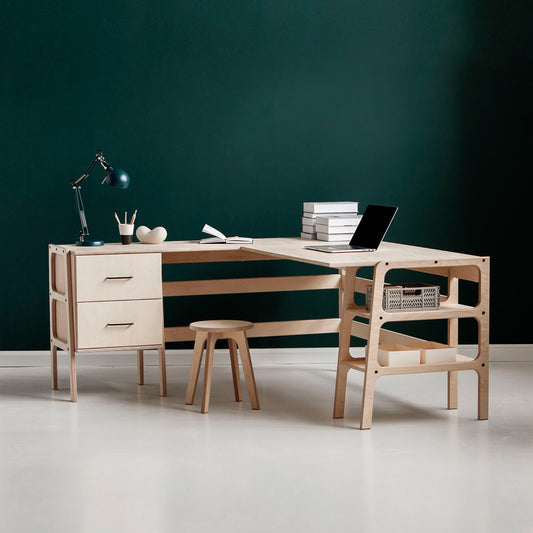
(125, 229)
(151, 236)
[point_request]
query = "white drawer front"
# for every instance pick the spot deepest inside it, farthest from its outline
(118, 277)
(116, 324)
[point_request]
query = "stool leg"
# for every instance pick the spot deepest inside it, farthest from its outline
(195, 366)
(247, 368)
(209, 353)
(235, 369)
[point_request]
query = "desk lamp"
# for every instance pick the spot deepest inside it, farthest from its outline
(115, 178)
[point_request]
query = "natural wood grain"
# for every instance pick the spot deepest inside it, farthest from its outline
(65, 308)
(346, 292)
(140, 367)
(208, 370)
(267, 329)
(234, 358)
(207, 333)
(250, 285)
(221, 326)
(85, 314)
(201, 338)
(450, 310)
(118, 277)
(123, 323)
(242, 343)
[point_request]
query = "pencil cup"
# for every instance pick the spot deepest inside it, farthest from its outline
(126, 233)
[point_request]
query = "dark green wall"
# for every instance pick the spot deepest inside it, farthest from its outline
(235, 112)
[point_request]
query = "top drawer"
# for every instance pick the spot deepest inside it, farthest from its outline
(118, 277)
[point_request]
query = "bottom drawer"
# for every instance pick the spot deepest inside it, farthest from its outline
(434, 352)
(122, 323)
(398, 355)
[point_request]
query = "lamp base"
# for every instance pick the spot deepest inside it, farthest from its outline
(89, 243)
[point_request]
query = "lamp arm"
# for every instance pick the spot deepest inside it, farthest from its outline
(76, 186)
(99, 157)
(84, 232)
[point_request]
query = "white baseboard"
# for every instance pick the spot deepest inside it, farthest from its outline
(261, 356)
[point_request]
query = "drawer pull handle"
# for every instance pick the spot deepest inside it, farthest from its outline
(118, 277)
(119, 324)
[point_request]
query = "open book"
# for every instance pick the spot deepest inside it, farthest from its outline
(221, 238)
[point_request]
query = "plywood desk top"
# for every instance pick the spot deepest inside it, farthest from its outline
(294, 249)
(140, 248)
(284, 248)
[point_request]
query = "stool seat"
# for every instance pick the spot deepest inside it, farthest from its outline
(221, 326)
(207, 333)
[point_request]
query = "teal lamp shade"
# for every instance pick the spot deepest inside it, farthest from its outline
(117, 178)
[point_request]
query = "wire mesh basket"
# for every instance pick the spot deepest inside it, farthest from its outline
(408, 297)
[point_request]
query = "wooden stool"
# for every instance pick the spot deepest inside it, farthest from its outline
(207, 333)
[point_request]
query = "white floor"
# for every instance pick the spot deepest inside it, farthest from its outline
(125, 460)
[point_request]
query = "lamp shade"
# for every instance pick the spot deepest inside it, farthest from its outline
(117, 178)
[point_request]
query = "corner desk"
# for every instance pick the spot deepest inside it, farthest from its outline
(111, 298)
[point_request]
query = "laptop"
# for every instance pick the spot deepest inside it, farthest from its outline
(368, 234)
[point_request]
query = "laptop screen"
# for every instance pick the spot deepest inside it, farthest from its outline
(373, 226)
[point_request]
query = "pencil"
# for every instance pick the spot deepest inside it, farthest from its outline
(125, 217)
(133, 217)
(118, 219)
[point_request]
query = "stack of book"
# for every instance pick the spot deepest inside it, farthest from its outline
(336, 228)
(329, 221)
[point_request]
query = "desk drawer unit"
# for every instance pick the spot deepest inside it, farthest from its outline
(119, 324)
(109, 298)
(118, 277)
(118, 301)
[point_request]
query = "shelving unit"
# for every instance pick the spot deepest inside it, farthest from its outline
(475, 269)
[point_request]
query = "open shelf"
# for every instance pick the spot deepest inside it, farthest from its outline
(461, 363)
(391, 352)
(445, 311)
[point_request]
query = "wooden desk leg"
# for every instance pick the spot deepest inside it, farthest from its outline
(53, 363)
(452, 389)
(342, 368)
(368, 401)
(162, 372)
(372, 365)
(235, 369)
(483, 369)
(140, 367)
(346, 300)
(69, 269)
(483, 393)
(340, 391)
(371, 372)
(73, 378)
(483, 342)
(453, 339)
(453, 336)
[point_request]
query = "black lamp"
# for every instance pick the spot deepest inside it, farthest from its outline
(115, 178)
